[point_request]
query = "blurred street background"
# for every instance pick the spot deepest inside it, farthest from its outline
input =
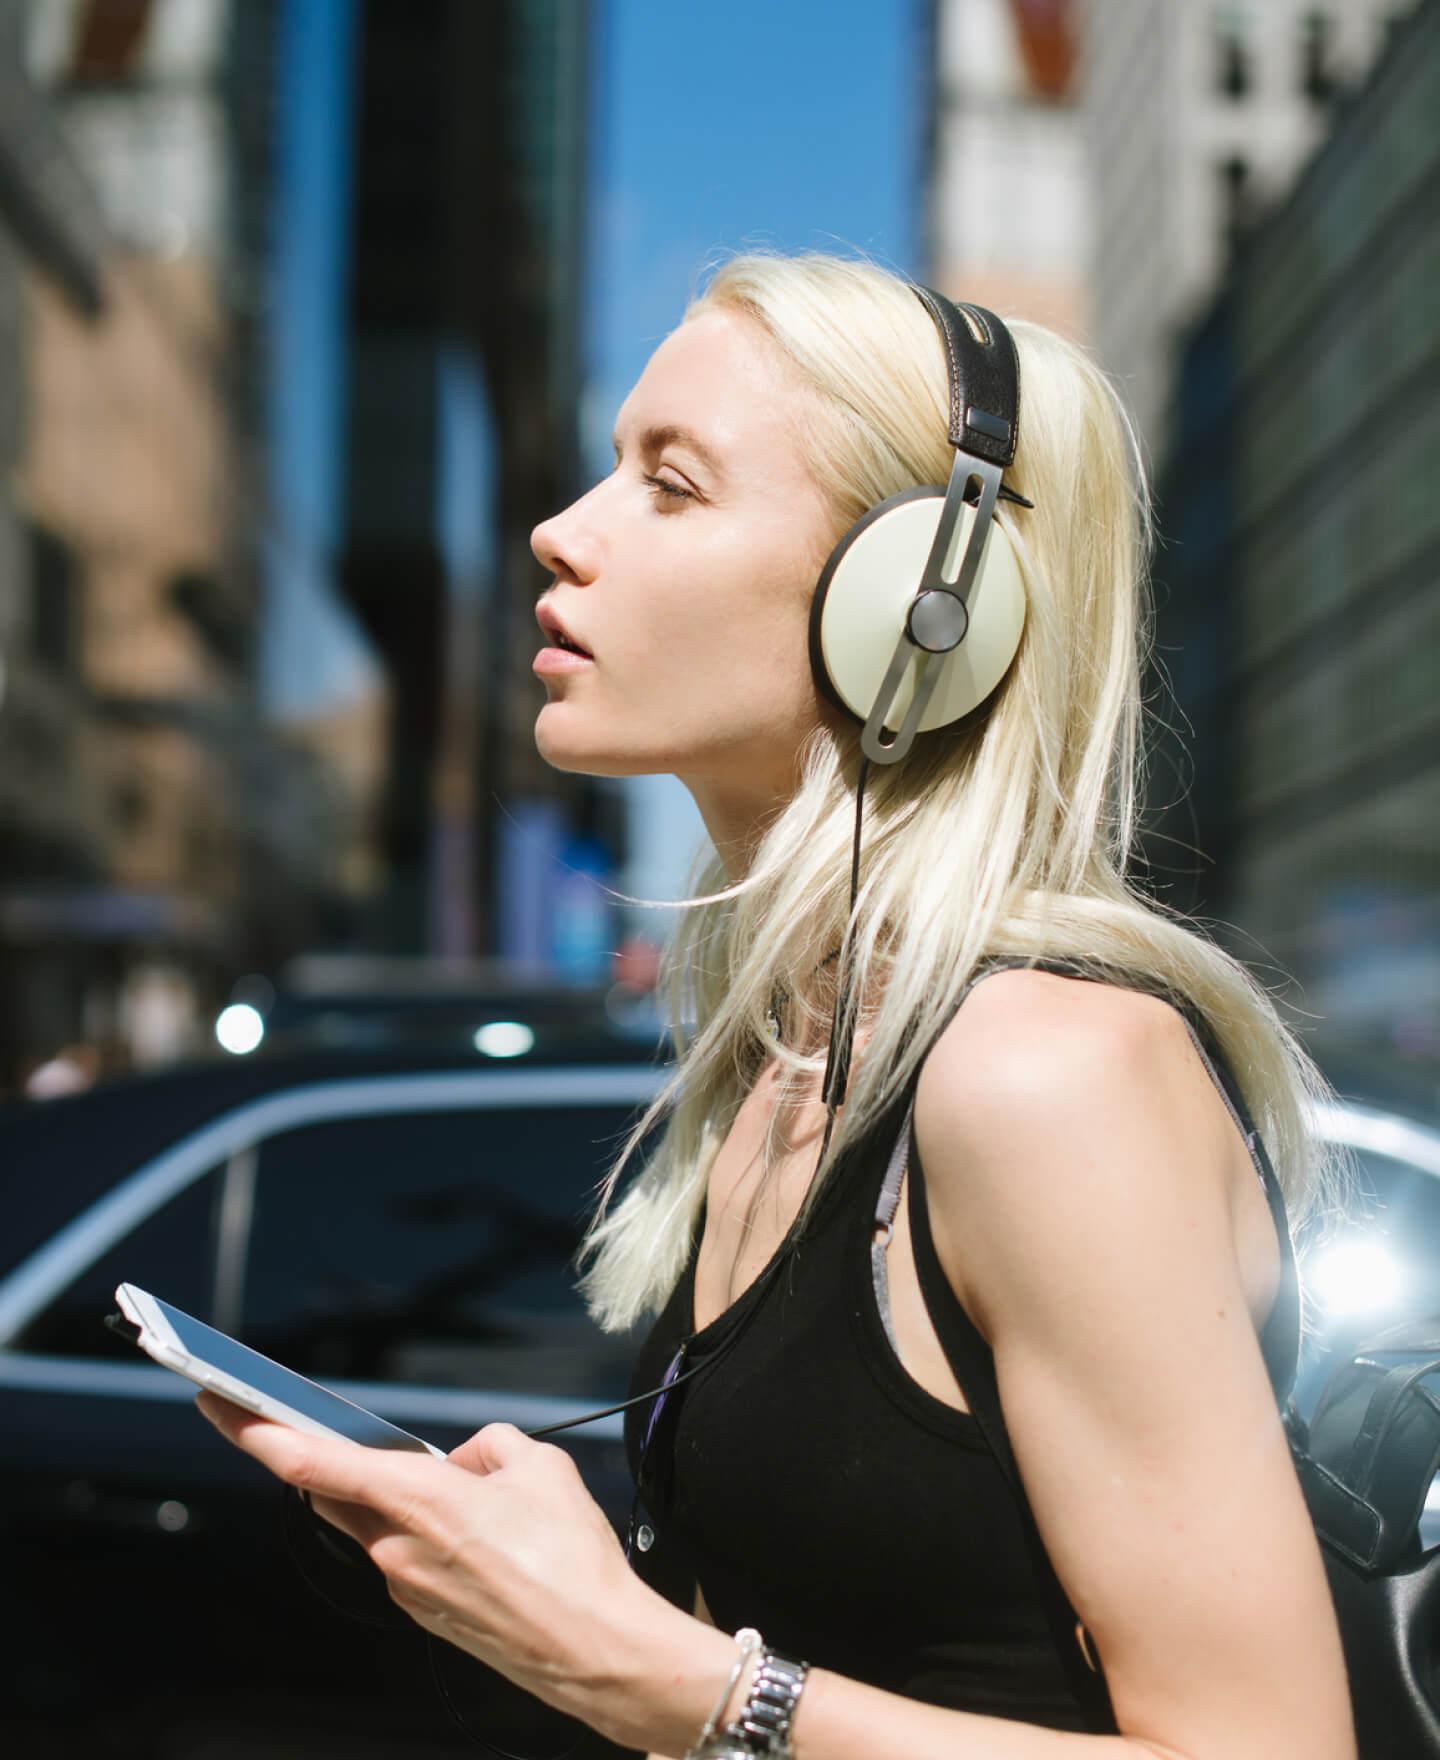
(320, 1016)
(310, 309)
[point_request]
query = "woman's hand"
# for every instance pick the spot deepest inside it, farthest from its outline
(499, 1550)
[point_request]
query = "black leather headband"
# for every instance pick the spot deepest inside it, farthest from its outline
(984, 374)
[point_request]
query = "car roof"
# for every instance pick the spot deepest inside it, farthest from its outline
(58, 1156)
(1369, 1076)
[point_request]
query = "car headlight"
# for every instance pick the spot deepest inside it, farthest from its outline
(239, 1028)
(503, 1039)
(1355, 1277)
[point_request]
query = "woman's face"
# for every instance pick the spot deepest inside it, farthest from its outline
(686, 575)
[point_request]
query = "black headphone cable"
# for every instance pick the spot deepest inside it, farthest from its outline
(837, 1060)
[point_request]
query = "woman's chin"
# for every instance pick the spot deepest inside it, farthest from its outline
(562, 750)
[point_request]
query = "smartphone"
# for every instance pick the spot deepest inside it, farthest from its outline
(220, 1365)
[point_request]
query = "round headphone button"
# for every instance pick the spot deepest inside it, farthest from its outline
(937, 621)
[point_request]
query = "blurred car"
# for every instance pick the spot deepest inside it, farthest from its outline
(397, 1224)
(374, 1003)
(1380, 1264)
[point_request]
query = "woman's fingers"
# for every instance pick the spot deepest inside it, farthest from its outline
(500, 1550)
(327, 1467)
(357, 1520)
(347, 1472)
(496, 1446)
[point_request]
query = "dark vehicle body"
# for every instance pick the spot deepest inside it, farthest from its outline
(397, 1225)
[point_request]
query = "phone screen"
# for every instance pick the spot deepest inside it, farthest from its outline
(275, 1382)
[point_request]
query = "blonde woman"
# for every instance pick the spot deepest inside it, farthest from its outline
(1117, 1559)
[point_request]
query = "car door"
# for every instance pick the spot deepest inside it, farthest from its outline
(405, 1238)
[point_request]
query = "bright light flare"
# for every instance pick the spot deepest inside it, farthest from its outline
(239, 1028)
(503, 1039)
(1356, 1277)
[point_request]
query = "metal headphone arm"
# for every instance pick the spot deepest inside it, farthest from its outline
(939, 613)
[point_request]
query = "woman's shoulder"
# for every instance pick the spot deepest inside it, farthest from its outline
(1041, 1113)
(1039, 1068)
(1025, 1034)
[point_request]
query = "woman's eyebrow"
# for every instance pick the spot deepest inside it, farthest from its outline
(654, 440)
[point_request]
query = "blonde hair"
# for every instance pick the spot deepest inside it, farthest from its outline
(1010, 834)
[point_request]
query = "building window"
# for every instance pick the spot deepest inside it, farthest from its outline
(1237, 197)
(214, 615)
(1319, 79)
(131, 805)
(54, 606)
(1234, 68)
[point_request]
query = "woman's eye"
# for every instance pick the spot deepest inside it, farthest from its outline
(663, 490)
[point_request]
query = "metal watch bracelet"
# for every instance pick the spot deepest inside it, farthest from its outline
(763, 1726)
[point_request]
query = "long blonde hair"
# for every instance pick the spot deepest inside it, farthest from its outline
(1010, 834)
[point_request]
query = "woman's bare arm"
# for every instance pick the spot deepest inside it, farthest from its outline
(701, 1613)
(1079, 1160)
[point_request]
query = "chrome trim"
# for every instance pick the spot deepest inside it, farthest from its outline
(400, 1402)
(49, 1268)
(232, 1237)
(1381, 1133)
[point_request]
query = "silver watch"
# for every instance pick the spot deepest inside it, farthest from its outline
(763, 1727)
(722, 1746)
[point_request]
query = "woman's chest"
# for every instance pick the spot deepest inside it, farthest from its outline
(749, 1215)
(757, 1183)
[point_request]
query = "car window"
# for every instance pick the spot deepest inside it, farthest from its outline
(170, 1253)
(434, 1248)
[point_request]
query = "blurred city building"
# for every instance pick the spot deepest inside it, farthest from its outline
(289, 304)
(460, 318)
(1197, 116)
(154, 833)
(1299, 614)
(1009, 199)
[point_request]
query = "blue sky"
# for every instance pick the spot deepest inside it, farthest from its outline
(795, 124)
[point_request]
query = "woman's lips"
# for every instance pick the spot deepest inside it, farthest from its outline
(557, 660)
(553, 626)
(563, 653)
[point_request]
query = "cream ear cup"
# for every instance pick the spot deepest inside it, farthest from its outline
(866, 588)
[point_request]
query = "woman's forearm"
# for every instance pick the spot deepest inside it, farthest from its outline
(662, 1706)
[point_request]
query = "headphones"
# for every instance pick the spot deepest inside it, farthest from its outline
(960, 627)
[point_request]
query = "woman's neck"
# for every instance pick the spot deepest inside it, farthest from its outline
(737, 816)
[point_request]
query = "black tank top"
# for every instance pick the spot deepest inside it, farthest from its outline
(814, 1490)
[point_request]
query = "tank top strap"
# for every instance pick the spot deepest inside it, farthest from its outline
(900, 1157)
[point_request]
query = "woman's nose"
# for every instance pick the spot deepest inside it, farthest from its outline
(564, 545)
